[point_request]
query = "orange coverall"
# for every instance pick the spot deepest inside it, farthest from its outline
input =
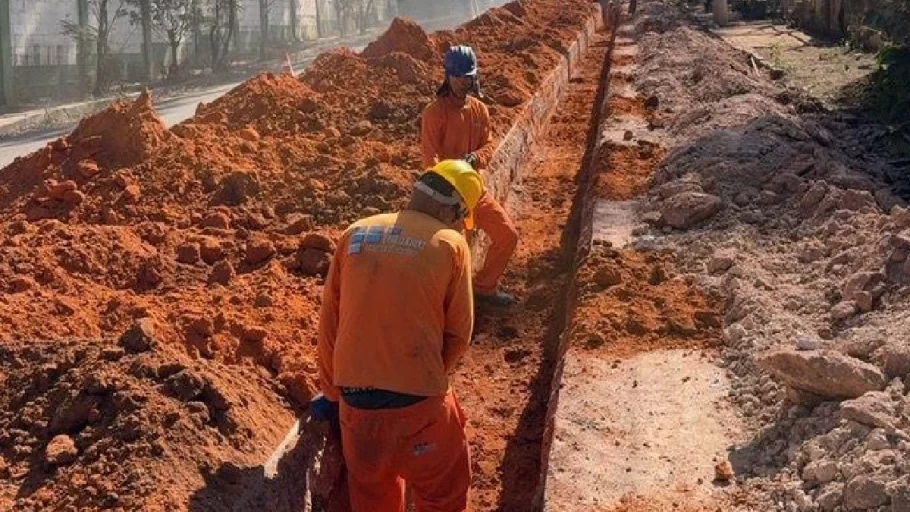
(397, 314)
(451, 128)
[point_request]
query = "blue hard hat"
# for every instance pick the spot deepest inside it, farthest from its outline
(460, 61)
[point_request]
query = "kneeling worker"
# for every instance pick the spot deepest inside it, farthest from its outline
(396, 317)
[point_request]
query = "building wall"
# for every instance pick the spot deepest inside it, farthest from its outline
(37, 32)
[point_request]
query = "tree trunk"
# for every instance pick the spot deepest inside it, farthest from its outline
(263, 28)
(215, 35)
(225, 36)
(318, 19)
(83, 49)
(146, 13)
(292, 5)
(341, 18)
(721, 13)
(101, 50)
(174, 42)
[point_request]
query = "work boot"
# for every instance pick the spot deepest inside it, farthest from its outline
(497, 299)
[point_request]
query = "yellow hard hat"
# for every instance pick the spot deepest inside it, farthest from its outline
(467, 183)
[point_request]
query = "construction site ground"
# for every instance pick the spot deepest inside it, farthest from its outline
(823, 68)
(712, 282)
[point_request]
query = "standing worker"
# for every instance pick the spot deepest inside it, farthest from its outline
(397, 314)
(457, 125)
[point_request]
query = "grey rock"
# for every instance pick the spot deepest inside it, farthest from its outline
(807, 342)
(844, 310)
(820, 471)
(896, 359)
(858, 200)
(830, 497)
(734, 333)
(863, 493)
(677, 187)
(877, 440)
(721, 261)
(824, 372)
(874, 409)
(684, 210)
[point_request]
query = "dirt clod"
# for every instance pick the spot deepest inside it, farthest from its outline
(723, 472)
(140, 337)
(222, 273)
(61, 451)
(259, 250)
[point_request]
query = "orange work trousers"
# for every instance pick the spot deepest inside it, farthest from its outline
(491, 218)
(422, 445)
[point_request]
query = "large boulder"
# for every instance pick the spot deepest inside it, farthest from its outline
(686, 209)
(825, 373)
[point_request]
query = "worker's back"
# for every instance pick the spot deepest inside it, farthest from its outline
(400, 294)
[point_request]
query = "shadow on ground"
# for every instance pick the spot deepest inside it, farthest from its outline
(307, 479)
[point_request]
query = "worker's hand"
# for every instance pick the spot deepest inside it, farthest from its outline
(471, 159)
(323, 409)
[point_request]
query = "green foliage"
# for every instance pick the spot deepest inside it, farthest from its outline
(891, 17)
(890, 92)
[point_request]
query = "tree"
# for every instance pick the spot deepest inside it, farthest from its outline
(365, 14)
(145, 15)
(721, 12)
(361, 11)
(265, 6)
(172, 19)
(106, 14)
(344, 11)
(197, 18)
(222, 21)
(292, 5)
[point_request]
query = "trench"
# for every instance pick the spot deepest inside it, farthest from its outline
(506, 380)
(542, 172)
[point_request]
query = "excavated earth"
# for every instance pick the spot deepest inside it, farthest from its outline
(207, 243)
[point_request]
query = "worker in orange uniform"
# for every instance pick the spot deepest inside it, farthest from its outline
(397, 314)
(457, 125)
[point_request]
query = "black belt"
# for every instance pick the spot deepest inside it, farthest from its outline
(372, 398)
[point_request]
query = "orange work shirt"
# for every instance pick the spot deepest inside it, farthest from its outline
(451, 128)
(397, 308)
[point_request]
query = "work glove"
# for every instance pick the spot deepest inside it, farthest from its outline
(323, 409)
(471, 159)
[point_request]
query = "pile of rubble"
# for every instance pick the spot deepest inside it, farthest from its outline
(804, 244)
